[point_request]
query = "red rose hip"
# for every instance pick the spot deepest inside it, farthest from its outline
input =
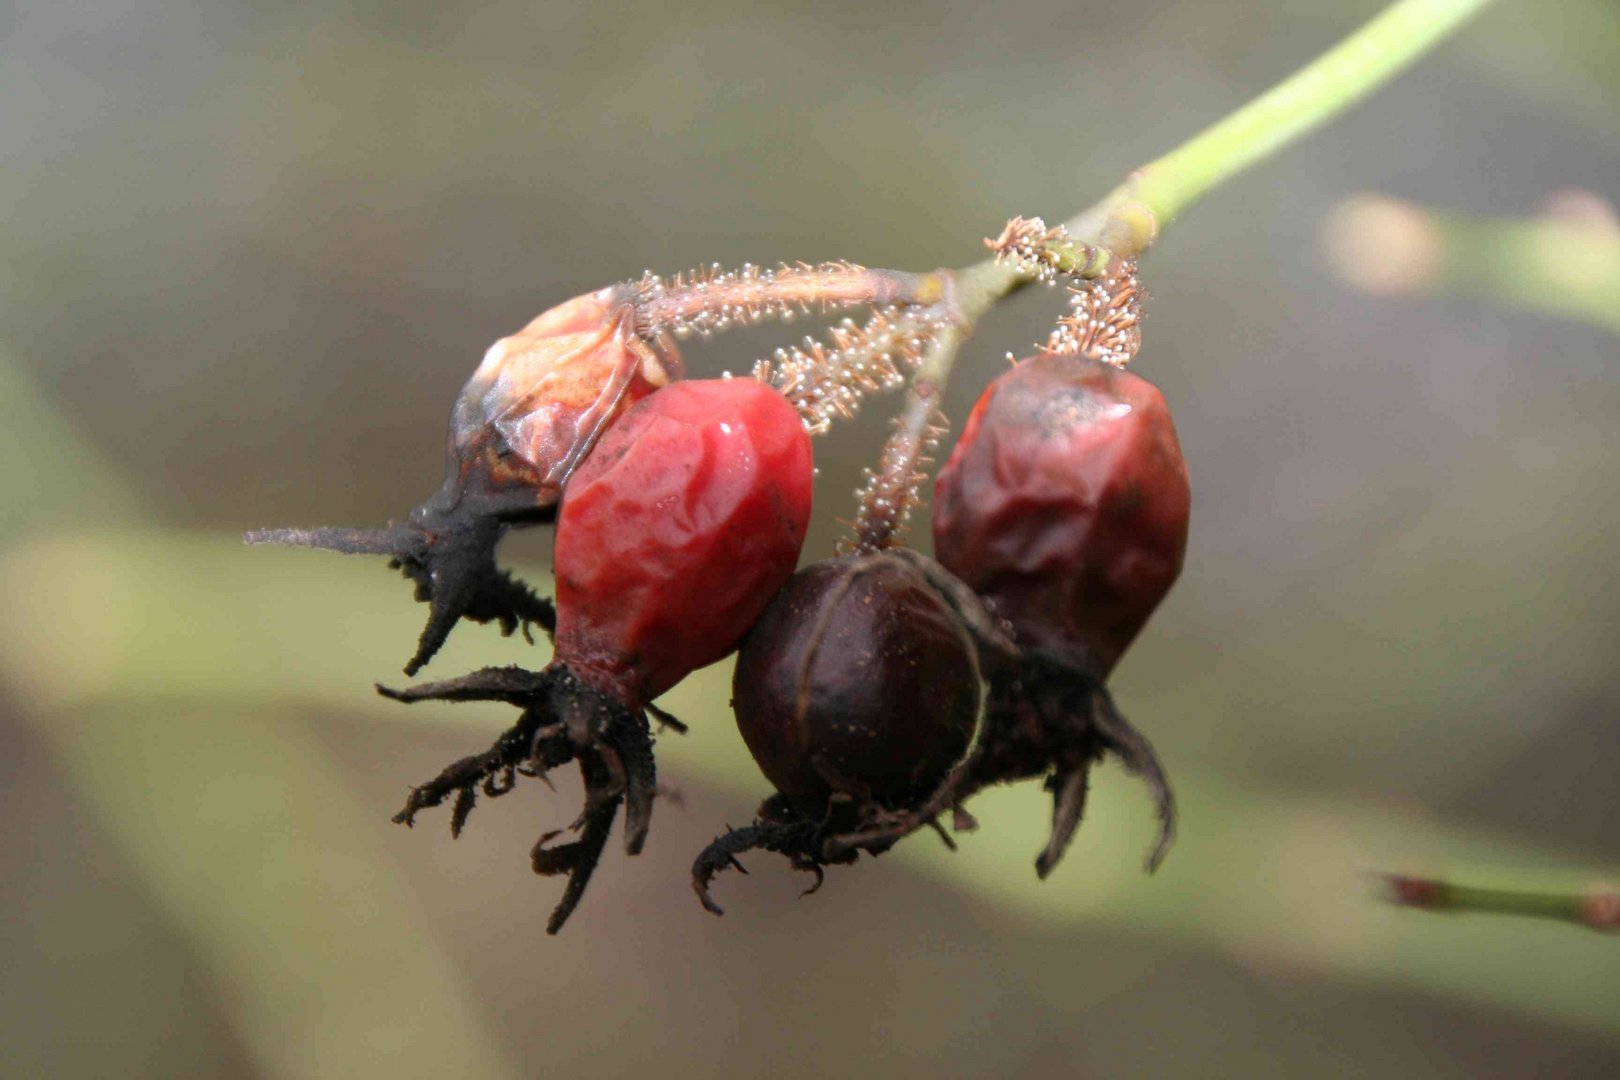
(1065, 504)
(676, 532)
(671, 538)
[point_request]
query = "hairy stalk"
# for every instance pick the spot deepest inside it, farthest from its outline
(1105, 317)
(1048, 253)
(826, 381)
(711, 299)
(893, 490)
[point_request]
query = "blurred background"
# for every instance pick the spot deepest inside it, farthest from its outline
(252, 251)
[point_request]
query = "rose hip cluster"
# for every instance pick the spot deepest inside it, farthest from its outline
(878, 690)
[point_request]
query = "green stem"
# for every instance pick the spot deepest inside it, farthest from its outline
(1316, 93)
(1566, 268)
(1599, 911)
(1128, 219)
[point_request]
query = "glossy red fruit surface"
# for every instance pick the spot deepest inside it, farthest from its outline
(676, 531)
(858, 679)
(1065, 503)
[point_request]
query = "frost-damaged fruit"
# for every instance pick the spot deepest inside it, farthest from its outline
(1065, 506)
(523, 423)
(858, 693)
(672, 537)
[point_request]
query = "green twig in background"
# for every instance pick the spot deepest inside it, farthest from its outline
(233, 816)
(1597, 910)
(1566, 267)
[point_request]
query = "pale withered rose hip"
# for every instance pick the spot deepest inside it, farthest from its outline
(541, 398)
(523, 423)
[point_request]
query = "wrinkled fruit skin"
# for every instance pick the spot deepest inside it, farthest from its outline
(676, 531)
(858, 680)
(542, 397)
(1065, 504)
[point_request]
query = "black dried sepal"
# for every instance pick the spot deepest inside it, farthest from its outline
(450, 558)
(563, 720)
(1049, 718)
(780, 827)
(836, 833)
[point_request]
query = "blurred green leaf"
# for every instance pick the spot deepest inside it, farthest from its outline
(234, 819)
(238, 824)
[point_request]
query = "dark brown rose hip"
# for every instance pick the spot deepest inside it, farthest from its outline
(859, 694)
(858, 680)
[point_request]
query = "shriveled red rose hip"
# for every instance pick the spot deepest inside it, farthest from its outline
(672, 537)
(1065, 503)
(676, 532)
